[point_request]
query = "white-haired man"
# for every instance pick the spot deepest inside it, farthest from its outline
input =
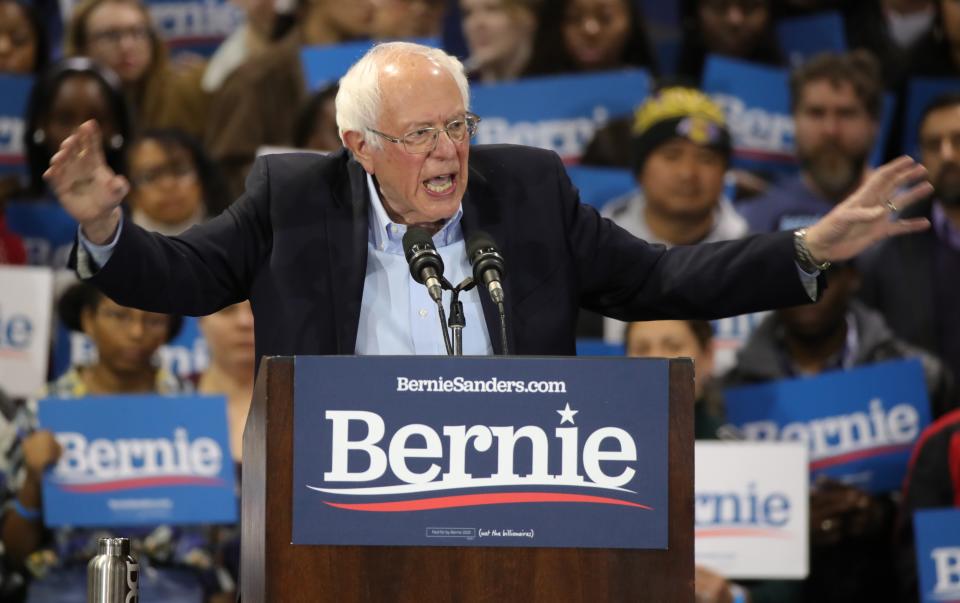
(314, 242)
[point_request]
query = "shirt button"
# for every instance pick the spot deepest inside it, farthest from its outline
(423, 313)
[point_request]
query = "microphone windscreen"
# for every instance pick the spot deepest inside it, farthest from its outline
(416, 238)
(477, 242)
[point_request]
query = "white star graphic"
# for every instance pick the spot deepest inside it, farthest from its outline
(566, 414)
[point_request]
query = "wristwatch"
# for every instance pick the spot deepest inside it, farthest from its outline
(803, 256)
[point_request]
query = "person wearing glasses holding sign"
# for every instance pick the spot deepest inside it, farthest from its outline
(315, 241)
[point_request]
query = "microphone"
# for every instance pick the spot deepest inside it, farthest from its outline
(426, 265)
(488, 267)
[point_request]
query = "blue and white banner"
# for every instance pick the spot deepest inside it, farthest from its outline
(560, 113)
(325, 65)
(937, 538)
(428, 451)
(756, 101)
(920, 93)
(26, 294)
(860, 424)
(809, 35)
(47, 230)
(13, 108)
(751, 509)
(139, 460)
(195, 25)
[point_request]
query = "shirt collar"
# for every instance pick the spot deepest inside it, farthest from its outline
(387, 235)
(944, 229)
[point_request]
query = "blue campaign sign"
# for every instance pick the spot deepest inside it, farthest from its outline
(325, 65)
(195, 25)
(860, 424)
(806, 36)
(937, 537)
(920, 93)
(139, 460)
(756, 101)
(599, 185)
(46, 228)
(480, 452)
(14, 92)
(560, 113)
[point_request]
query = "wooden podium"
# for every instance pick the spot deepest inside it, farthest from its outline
(274, 571)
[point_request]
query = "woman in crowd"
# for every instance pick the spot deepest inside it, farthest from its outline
(178, 564)
(120, 35)
(499, 36)
(739, 29)
(23, 40)
(590, 35)
(174, 185)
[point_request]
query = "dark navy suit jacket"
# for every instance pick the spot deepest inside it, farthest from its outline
(295, 243)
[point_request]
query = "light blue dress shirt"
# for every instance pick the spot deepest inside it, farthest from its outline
(397, 315)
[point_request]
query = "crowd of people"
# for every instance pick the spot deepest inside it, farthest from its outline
(185, 129)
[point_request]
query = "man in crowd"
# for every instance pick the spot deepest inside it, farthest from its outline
(314, 242)
(680, 150)
(913, 281)
(851, 558)
(836, 103)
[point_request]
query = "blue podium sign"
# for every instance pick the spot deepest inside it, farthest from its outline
(139, 460)
(434, 451)
(938, 554)
(860, 424)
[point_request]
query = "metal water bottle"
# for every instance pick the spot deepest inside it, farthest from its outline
(113, 575)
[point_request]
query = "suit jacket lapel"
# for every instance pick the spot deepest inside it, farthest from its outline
(482, 211)
(347, 235)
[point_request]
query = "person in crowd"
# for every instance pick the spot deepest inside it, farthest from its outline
(937, 54)
(499, 36)
(120, 35)
(261, 28)
(64, 96)
(680, 150)
(932, 482)
(694, 339)
(738, 29)
(229, 337)
(590, 35)
(240, 122)
(180, 560)
(836, 100)
(174, 184)
(316, 125)
(406, 19)
(917, 272)
(889, 29)
(23, 39)
(851, 530)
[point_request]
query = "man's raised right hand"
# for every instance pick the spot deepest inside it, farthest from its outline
(85, 185)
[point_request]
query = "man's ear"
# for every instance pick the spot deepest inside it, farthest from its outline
(361, 149)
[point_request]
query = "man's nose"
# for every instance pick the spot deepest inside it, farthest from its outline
(947, 149)
(734, 16)
(446, 146)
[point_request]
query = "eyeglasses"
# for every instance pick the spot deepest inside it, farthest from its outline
(113, 37)
(424, 140)
(176, 170)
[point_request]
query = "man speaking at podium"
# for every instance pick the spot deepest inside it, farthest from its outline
(315, 242)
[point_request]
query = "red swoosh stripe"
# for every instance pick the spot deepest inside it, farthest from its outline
(143, 482)
(739, 532)
(860, 454)
(475, 500)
